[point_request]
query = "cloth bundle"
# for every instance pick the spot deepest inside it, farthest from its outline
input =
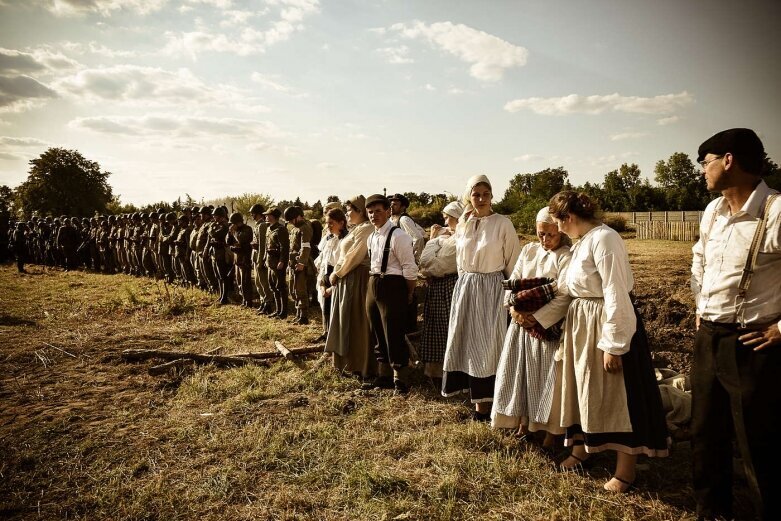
(529, 295)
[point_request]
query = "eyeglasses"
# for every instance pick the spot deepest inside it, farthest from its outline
(704, 163)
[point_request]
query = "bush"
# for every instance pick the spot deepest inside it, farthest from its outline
(525, 219)
(616, 222)
(425, 216)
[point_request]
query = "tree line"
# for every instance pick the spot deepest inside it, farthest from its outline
(63, 182)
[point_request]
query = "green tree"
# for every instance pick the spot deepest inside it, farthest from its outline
(541, 185)
(62, 181)
(771, 174)
(621, 187)
(242, 203)
(684, 186)
(6, 199)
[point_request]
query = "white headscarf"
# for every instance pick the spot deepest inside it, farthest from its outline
(473, 181)
(544, 216)
(454, 209)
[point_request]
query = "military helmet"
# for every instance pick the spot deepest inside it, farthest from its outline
(160, 211)
(154, 216)
(171, 216)
(236, 218)
(291, 212)
(144, 216)
(84, 221)
(196, 209)
(112, 218)
(257, 208)
(220, 211)
(74, 220)
(206, 211)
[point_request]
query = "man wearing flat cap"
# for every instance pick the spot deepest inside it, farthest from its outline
(399, 204)
(736, 277)
(392, 277)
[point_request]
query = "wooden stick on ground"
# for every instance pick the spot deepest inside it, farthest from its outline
(131, 355)
(173, 364)
(284, 351)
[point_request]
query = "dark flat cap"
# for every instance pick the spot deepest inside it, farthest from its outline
(399, 197)
(377, 198)
(742, 143)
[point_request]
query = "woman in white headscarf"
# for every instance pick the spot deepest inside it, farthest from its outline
(528, 380)
(487, 247)
(438, 266)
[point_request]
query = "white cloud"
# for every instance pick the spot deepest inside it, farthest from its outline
(135, 85)
(488, 55)
(272, 82)
(668, 121)
(243, 40)
(9, 141)
(220, 4)
(175, 126)
(101, 7)
(19, 93)
(527, 157)
(36, 61)
(429, 87)
(396, 55)
(627, 135)
(597, 104)
(327, 166)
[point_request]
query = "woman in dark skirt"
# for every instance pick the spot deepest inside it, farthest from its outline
(609, 396)
(438, 266)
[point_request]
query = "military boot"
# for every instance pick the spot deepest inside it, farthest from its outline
(281, 307)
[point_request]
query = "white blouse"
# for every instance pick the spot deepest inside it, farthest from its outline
(329, 255)
(600, 269)
(534, 262)
(486, 245)
(439, 257)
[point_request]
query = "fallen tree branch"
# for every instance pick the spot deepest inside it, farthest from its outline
(174, 364)
(296, 351)
(60, 349)
(284, 351)
(133, 355)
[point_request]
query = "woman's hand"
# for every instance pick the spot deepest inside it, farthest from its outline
(434, 230)
(612, 363)
(333, 278)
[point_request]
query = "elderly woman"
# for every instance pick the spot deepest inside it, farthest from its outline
(609, 396)
(336, 224)
(486, 250)
(438, 266)
(528, 378)
(348, 329)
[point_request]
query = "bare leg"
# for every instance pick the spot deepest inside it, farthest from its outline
(625, 470)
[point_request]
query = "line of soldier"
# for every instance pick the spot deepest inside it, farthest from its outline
(201, 246)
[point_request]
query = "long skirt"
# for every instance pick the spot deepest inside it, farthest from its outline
(436, 317)
(528, 383)
(609, 411)
(348, 329)
(475, 335)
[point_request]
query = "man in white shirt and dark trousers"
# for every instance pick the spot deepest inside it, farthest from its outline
(399, 204)
(392, 276)
(736, 279)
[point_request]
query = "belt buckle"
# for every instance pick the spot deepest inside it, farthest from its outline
(382, 274)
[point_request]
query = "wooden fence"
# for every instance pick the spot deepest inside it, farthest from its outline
(668, 225)
(667, 216)
(671, 231)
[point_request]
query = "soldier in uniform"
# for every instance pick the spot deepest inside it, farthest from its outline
(182, 251)
(218, 234)
(19, 243)
(241, 246)
(299, 261)
(168, 232)
(277, 249)
(67, 242)
(260, 271)
(205, 250)
(197, 222)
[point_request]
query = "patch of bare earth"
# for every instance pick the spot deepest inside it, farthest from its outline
(84, 435)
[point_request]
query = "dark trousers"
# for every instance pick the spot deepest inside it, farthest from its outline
(386, 307)
(736, 391)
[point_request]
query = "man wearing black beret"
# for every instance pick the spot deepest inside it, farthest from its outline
(736, 276)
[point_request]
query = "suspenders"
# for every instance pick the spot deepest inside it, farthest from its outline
(385, 252)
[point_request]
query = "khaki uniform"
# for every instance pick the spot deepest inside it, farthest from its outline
(300, 249)
(242, 248)
(260, 270)
(277, 250)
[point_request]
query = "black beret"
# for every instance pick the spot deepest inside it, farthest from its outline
(742, 143)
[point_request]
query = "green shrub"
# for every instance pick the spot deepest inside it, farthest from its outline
(616, 222)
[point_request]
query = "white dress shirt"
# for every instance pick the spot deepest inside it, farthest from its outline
(401, 259)
(720, 256)
(599, 268)
(329, 254)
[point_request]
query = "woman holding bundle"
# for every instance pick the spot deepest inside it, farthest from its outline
(348, 330)
(610, 399)
(528, 380)
(486, 250)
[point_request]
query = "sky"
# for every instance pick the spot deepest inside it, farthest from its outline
(310, 98)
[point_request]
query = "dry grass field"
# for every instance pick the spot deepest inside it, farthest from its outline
(85, 435)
